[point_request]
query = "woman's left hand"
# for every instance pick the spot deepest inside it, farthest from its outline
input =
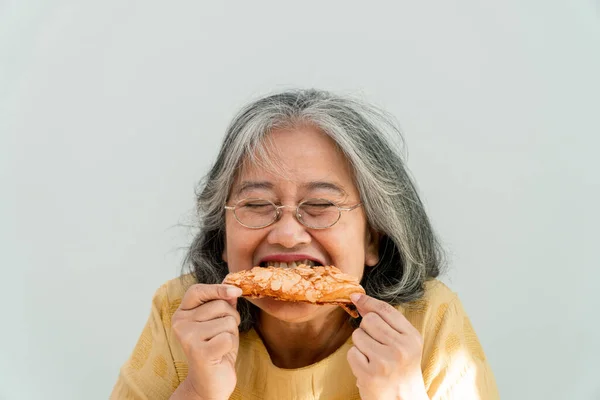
(387, 351)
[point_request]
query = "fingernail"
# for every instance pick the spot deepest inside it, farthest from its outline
(234, 292)
(355, 297)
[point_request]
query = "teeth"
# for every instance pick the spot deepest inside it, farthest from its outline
(290, 264)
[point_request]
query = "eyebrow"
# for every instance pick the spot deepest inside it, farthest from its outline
(250, 185)
(265, 185)
(315, 185)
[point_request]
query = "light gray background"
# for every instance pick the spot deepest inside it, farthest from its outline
(111, 111)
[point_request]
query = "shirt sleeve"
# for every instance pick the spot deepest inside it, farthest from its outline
(454, 364)
(150, 373)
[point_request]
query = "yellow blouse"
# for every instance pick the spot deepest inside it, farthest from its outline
(454, 364)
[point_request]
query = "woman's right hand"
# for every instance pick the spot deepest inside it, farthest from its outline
(206, 324)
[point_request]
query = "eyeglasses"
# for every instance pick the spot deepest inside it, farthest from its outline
(312, 213)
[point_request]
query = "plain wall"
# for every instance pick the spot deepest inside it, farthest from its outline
(112, 111)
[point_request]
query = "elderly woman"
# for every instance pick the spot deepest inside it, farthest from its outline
(286, 153)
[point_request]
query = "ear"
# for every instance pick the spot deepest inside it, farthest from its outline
(372, 247)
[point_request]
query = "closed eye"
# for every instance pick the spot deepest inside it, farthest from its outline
(318, 205)
(257, 205)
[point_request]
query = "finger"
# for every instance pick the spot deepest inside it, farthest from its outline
(220, 345)
(200, 293)
(359, 363)
(367, 345)
(394, 318)
(212, 310)
(209, 329)
(379, 330)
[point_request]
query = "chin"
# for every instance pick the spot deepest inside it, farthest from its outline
(289, 311)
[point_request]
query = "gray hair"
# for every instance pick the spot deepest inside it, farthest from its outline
(409, 252)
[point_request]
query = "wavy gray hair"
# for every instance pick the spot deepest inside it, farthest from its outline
(409, 251)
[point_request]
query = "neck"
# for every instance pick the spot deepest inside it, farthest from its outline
(296, 345)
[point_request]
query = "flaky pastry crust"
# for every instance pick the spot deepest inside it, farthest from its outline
(316, 285)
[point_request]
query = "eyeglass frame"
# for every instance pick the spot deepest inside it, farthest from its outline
(279, 213)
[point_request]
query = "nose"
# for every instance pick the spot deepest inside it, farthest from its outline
(288, 231)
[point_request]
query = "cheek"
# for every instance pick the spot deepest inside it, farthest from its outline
(346, 247)
(240, 245)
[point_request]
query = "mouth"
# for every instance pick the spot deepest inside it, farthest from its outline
(289, 264)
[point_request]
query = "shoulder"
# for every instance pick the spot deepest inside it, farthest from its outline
(166, 301)
(436, 295)
(168, 296)
(436, 292)
(438, 304)
(174, 289)
(157, 364)
(453, 359)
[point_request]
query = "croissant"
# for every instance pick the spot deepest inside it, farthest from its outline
(317, 285)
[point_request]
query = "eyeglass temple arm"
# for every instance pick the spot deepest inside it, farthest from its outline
(350, 208)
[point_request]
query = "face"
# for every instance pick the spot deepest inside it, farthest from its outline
(311, 167)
